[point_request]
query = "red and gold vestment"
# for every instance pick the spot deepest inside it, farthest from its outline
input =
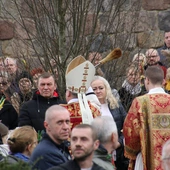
(146, 129)
(75, 113)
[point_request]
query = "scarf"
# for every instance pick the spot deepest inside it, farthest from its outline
(134, 90)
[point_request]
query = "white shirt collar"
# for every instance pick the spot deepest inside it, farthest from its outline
(156, 90)
(75, 100)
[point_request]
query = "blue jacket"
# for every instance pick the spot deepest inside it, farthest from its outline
(21, 156)
(48, 154)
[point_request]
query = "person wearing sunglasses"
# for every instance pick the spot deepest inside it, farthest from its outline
(8, 115)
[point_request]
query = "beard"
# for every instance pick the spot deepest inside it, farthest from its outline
(83, 157)
(153, 63)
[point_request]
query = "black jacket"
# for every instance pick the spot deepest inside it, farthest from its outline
(163, 59)
(33, 112)
(72, 165)
(9, 116)
(127, 98)
(119, 115)
(48, 154)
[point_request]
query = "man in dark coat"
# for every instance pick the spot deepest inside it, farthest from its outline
(53, 148)
(83, 144)
(33, 112)
(8, 115)
(166, 47)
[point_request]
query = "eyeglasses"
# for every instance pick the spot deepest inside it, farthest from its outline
(3, 83)
(152, 56)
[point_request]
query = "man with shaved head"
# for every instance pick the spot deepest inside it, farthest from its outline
(53, 148)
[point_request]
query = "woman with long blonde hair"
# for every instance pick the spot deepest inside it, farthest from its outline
(113, 108)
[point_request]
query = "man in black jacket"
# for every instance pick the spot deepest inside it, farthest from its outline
(53, 148)
(166, 47)
(33, 112)
(83, 144)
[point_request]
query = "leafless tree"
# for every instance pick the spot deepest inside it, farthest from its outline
(63, 29)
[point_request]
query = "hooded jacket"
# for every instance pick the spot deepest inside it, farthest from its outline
(32, 113)
(103, 159)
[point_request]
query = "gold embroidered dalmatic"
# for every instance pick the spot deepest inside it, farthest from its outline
(146, 129)
(75, 113)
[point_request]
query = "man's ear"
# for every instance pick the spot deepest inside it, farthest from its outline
(147, 81)
(68, 93)
(114, 140)
(163, 82)
(45, 124)
(96, 144)
(29, 147)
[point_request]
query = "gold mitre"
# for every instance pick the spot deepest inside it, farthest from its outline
(79, 74)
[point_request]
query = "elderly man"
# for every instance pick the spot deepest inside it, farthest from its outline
(146, 126)
(83, 144)
(33, 112)
(107, 135)
(83, 104)
(11, 65)
(153, 58)
(53, 148)
(12, 69)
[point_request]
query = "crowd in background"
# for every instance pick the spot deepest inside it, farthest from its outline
(30, 105)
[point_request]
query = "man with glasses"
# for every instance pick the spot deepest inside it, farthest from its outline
(153, 58)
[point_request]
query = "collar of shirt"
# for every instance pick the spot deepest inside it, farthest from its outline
(73, 101)
(156, 90)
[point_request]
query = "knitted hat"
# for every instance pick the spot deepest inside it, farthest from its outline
(3, 130)
(79, 75)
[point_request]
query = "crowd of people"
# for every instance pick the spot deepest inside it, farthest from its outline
(97, 127)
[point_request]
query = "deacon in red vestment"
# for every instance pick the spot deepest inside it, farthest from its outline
(147, 125)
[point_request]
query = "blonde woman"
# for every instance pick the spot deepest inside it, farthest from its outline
(139, 58)
(111, 107)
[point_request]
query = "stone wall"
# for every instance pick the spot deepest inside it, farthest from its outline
(153, 17)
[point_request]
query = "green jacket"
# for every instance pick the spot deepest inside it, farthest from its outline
(103, 159)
